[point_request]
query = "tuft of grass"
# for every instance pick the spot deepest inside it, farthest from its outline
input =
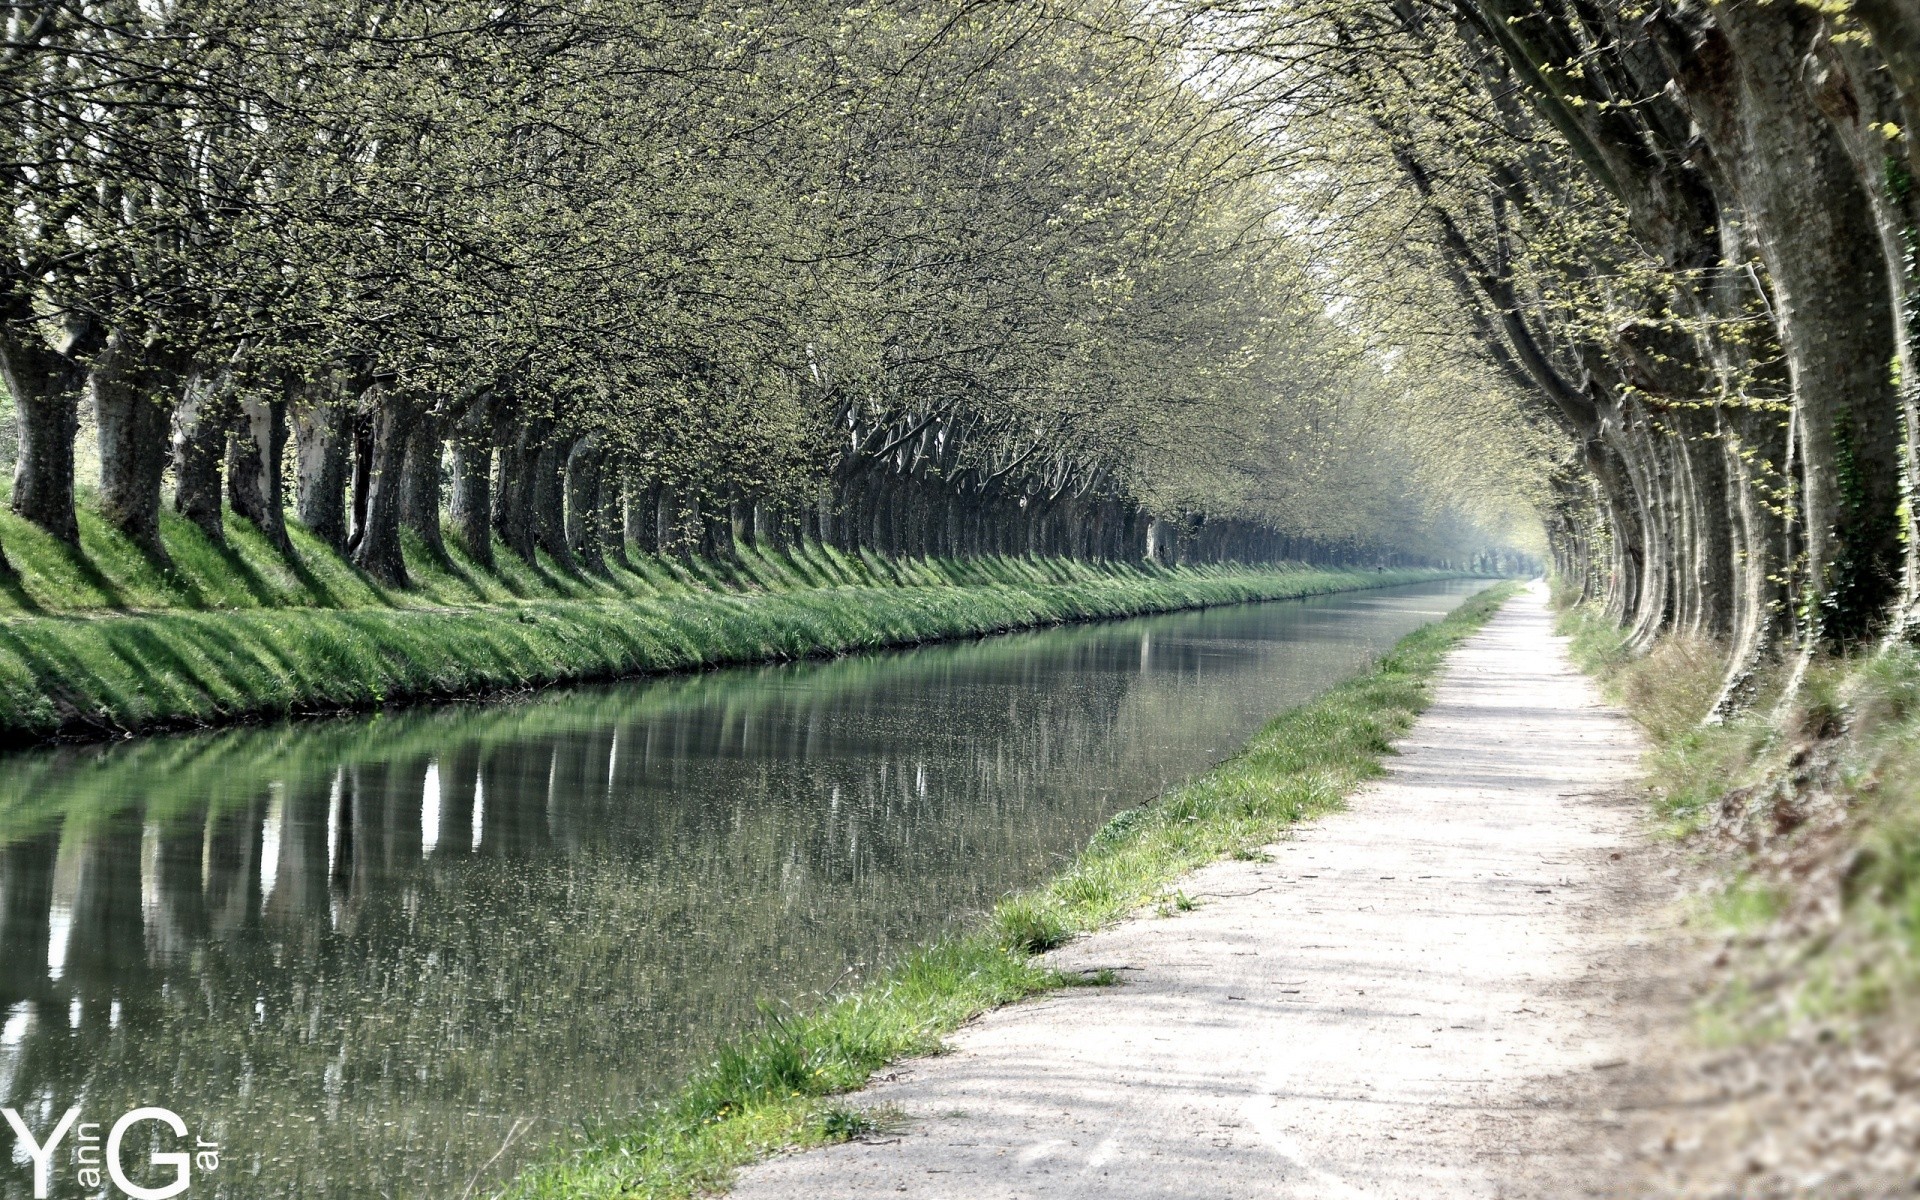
(774, 1088)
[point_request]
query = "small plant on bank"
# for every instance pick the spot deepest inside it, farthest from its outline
(839, 1123)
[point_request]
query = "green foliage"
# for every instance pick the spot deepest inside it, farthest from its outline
(770, 1090)
(752, 253)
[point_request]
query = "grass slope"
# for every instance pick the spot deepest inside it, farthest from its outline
(1807, 809)
(780, 1086)
(108, 639)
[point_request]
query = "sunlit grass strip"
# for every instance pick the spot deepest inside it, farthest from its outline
(783, 1085)
(105, 674)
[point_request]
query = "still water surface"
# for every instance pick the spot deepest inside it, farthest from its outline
(363, 954)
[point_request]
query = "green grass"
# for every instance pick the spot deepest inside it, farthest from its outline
(784, 1084)
(106, 639)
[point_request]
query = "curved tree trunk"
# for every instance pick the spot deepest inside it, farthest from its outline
(1741, 77)
(583, 469)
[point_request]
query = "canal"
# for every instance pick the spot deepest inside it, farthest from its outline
(366, 954)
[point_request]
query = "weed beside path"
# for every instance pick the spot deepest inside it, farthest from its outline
(777, 1087)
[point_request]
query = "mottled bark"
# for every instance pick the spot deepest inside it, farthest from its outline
(1740, 69)
(471, 502)
(133, 392)
(379, 551)
(420, 484)
(45, 386)
(199, 447)
(585, 542)
(319, 413)
(255, 451)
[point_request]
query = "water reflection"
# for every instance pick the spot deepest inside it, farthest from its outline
(360, 953)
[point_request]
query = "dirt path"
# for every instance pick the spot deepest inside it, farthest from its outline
(1420, 997)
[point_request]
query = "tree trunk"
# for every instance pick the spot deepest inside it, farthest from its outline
(319, 414)
(420, 484)
(199, 445)
(133, 395)
(643, 514)
(379, 551)
(45, 386)
(612, 511)
(583, 468)
(1741, 78)
(549, 497)
(254, 454)
(670, 523)
(1860, 100)
(514, 486)
(471, 502)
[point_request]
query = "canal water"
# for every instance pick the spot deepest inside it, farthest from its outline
(365, 954)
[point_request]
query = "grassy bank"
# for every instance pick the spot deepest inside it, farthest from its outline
(784, 1084)
(1808, 813)
(107, 639)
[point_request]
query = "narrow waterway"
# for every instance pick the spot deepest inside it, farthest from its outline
(365, 955)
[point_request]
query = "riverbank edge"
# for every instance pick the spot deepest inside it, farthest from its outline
(785, 1086)
(76, 678)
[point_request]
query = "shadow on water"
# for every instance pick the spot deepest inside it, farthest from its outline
(358, 952)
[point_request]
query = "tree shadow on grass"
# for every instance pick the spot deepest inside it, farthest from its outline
(323, 593)
(52, 666)
(90, 572)
(14, 587)
(235, 563)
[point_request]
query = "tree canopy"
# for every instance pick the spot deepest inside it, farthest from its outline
(933, 278)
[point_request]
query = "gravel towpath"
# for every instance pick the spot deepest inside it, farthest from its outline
(1419, 997)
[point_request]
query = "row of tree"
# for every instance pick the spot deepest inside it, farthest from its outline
(1686, 235)
(948, 277)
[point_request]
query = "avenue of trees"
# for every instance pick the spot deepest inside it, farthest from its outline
(675, 276)
(1686, 234)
